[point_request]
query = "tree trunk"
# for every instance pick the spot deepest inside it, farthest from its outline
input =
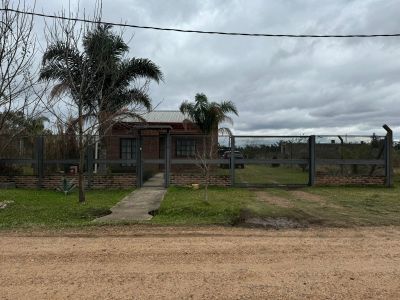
(102, 154)
(81, 160)
(206, 191)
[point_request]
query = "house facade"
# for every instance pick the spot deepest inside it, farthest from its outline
(131, 138)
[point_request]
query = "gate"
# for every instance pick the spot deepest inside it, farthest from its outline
(270, 160)
(152, 157)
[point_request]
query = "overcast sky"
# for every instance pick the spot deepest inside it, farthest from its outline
(280, 85)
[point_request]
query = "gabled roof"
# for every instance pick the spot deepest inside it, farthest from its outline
(159, 116)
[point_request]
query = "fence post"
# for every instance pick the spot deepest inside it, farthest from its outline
(89, 162)
(388, 156)
(39, 147)
(232, 161)
(139, 170)
(167, 159)
(311, 161)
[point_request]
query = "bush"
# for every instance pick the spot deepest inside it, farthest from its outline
(66, 186)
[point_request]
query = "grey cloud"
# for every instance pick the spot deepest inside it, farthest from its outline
(279, 85)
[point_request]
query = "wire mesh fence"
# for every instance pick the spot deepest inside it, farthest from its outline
(351, 155)
(17, 155)
(193, 158)
(275, 160)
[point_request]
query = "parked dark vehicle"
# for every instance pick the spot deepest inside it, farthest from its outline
(227, 156)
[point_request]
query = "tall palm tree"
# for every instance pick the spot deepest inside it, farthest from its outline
(208, 115)
(98, 77)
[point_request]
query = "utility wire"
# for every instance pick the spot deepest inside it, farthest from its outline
(201, 31)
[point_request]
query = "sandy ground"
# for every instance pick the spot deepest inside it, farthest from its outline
(202, 263)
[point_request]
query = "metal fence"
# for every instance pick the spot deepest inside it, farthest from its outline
(181, 159)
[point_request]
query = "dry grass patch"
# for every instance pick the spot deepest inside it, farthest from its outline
(308, 196)
(266, 197)
(302, 195)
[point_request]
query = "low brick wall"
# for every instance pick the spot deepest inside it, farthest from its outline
(190, 178)
(349, 180)
(115, 181)
(123, 181)
(118, 181)
(21, 181)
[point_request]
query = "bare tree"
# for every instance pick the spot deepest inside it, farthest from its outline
(17, 73)
(74, 79)
(20, 91)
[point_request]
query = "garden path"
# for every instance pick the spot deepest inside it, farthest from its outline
(137, 205)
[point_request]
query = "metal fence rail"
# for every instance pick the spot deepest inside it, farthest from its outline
(245, 160)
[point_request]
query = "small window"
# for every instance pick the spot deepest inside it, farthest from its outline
(185, 148)
(128, 150)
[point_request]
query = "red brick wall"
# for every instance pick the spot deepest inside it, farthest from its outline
(28, 181)
(190, 178)
(349, 180)
(122, 181)
(151, 142)
(129, 180)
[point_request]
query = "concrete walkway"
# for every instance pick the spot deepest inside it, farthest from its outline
(137, 205)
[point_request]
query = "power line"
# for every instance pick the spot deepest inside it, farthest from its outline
(201, 31)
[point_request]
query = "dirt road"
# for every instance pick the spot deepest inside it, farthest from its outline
(204, 263)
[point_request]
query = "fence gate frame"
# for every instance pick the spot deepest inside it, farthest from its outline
(309, 161)
(312, 160)
(141, 161)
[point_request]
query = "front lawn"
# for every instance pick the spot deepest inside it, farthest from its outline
(322, 206)
(43, 208)
(265, 174)
(187, 206)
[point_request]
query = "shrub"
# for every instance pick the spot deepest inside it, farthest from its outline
(66, 186)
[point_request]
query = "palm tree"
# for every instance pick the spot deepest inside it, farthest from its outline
(109, 88)
(99, 78)
(207, 116)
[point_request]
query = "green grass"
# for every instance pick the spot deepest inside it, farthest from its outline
(41, 208)
(187, 206)
(355, 206)
(333, 206)
(226, 206)
(262, 174)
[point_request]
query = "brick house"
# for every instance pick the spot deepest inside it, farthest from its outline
(186, 141)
